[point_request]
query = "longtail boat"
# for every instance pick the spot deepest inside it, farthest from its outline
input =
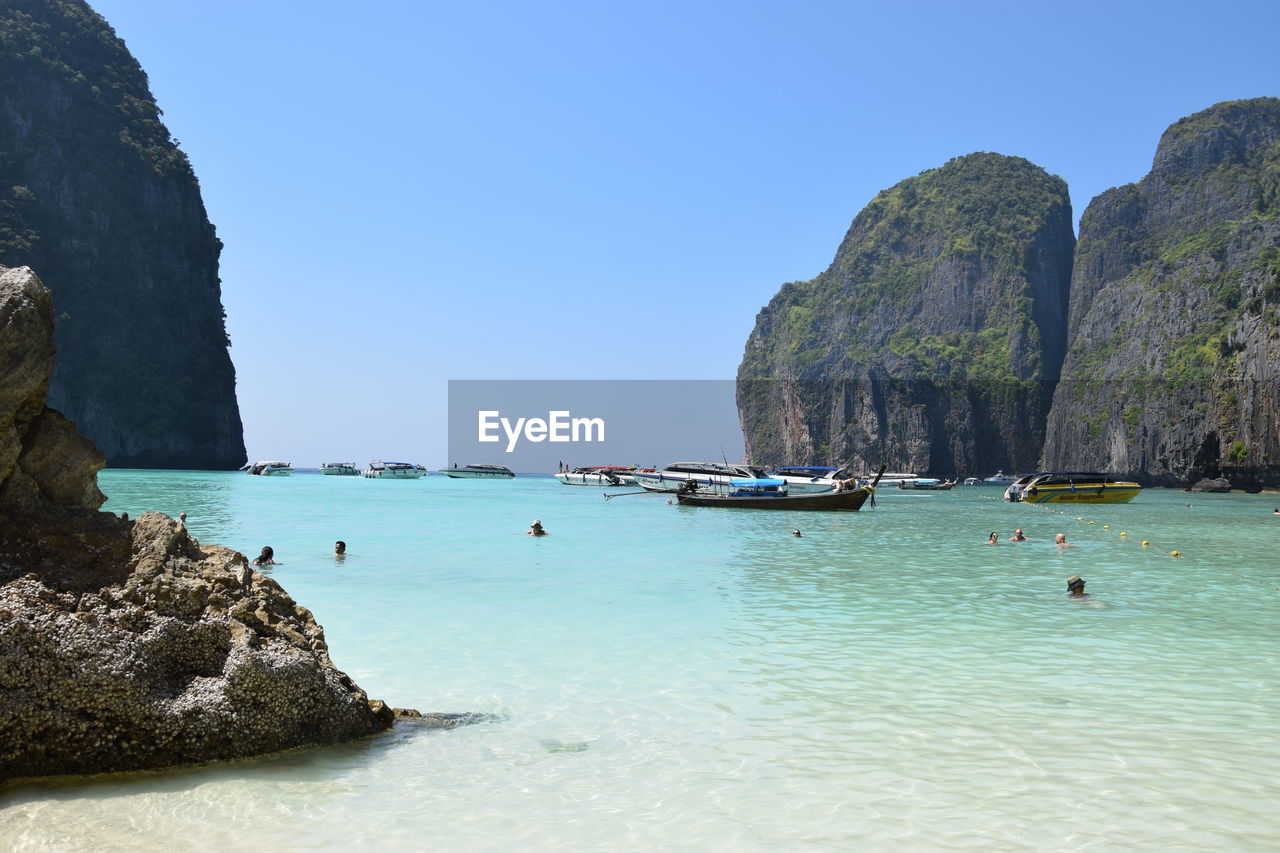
(770, 493)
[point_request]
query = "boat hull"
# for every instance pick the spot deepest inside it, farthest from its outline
(339, 471)
(392, 474)
(459, 474)
(595, 479)
(807, 485)
(851, 500)
(1109, 493)
(661, 481)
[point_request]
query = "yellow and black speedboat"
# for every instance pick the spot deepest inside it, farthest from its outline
(1071, 487)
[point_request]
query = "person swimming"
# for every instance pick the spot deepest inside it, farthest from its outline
(1017, 536)
(339, 548)
(266, 558)
(1060, 540)
(796, 533)
(993, 539)
(535, 529)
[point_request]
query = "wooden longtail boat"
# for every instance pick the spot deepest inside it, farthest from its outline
(772, 494)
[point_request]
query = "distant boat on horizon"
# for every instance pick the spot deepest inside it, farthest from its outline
(269, 468)
(379, 470)
(479, 472)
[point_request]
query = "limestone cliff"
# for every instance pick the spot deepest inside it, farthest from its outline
(96, 196)
(933, 340)
(1173, 371)
(129, 645)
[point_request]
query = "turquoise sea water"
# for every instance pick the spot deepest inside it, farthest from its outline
(671, 678)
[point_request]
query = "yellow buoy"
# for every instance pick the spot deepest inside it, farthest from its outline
(1175, 553)
(1093, 522)
(1124, 534)
(1106, 527)
(1079, 518)
(1145, 543)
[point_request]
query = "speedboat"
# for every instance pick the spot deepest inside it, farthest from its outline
(1000, 478)
(927, 484)
(479, 472)
(599, 475)
(890, 480)
(379, 470)
(1072, 487)
(972, 481)
(711, 476)
(267, 468)
(338, 469)
(807, 479)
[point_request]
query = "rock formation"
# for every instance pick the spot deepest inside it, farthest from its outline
(96, 196)
(933, 341)
(1173, 372)
(129, 645)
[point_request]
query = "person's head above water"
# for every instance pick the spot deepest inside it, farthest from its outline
(993, 538)
(1075, 584)
(795, 533)
(339, 547)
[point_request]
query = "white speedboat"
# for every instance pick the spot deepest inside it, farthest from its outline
(379, 470)
(267, 468)
(806, 479)
(479, 472)
(600, 475)
(889, 480)
(928, 484)
(1000, 478)
(339, 469)
(710, 476)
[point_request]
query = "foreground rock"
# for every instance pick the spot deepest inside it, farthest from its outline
(129, 645)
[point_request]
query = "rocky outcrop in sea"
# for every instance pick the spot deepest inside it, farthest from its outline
(960, 329)
(933, 341)
(96, 195)
(128, 645)
(1173, 371)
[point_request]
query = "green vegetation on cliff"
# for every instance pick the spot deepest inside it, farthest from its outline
(944, 309)
(977, 214)
(1175, 308)
(97, 198)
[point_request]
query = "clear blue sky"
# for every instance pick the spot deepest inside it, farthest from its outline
(412, 192)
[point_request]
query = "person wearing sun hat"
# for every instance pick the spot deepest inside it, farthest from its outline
(1075, 587)
(535, 529)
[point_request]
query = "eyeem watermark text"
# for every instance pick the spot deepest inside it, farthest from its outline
(559, 426)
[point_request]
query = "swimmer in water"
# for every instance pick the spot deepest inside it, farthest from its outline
(535, 529)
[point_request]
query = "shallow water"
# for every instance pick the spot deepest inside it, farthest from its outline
(695, 679)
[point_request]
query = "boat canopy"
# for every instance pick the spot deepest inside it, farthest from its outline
(804, 468)
(754, 483)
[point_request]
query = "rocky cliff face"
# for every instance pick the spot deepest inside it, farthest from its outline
(933, 341)
(129, 645)
(96, 195)
(1173, 371)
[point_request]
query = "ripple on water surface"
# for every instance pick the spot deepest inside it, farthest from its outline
(679, 678)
